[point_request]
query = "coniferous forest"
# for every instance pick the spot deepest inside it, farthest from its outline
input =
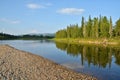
(101, 27)
(4, 36)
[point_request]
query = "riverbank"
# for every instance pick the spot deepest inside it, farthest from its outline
(19, 65)
(90, 41)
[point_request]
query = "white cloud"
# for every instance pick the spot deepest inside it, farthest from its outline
(71, 11)
(10, 21)
(35, 6)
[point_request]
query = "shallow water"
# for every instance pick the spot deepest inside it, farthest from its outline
(101, 62)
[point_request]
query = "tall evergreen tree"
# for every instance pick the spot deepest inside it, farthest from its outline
(80, 32)
(104, 27)
(117, 28)
(68, 32)
(89, 27)
(99, 26)
(83, 27)
(95, 28)
(110, 27)
(76, 31)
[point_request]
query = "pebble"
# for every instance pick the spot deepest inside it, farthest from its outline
(20, 65)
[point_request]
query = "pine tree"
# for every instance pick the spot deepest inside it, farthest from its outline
(68, 32)
(83, 27)
(80, 32)
(117, 28)
(104, 27)
(99, 26)
(110, 27)
(89, 27)
(95, 28)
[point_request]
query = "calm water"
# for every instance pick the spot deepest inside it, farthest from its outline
(101, 62)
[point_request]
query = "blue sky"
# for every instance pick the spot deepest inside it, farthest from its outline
(48, 16)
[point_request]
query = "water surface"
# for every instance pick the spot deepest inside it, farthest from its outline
(101, 62)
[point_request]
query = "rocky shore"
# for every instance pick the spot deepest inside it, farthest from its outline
(20, 65)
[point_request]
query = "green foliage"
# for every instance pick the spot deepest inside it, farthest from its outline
(35, 37)
(61, 34)
(93, 28)
(83, 27)
(74, 31)
(104, 28)
(89, 27)
(117, 28)
(4, 36)
(110, 28)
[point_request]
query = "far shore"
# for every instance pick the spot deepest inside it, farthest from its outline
(87, 41)
(20, 65)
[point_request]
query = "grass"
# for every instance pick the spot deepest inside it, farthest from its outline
(91, 41)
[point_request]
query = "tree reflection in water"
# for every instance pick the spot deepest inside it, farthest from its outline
(98, 56)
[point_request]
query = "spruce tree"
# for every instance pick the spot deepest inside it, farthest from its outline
(83, 27)
(95, 28)
(110, 27)
(117, 29)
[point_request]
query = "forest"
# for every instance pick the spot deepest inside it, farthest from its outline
(97, 27)
(5, 36)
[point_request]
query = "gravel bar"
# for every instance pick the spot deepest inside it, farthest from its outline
(20, 65)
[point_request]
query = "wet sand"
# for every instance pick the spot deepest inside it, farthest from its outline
(20, 65)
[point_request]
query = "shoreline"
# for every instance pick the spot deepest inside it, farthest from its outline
(21, 65)
(96, 42)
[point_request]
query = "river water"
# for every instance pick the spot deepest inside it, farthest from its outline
(101, 62)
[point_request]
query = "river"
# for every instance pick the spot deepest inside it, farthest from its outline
(101, 62)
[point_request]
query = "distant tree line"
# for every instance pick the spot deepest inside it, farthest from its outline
(4, 36)
(101, 27)
(36, 36)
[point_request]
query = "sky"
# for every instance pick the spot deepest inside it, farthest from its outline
(48, 16)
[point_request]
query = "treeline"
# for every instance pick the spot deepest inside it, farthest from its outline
(4, 36)
(36, 37)
(101, 27)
